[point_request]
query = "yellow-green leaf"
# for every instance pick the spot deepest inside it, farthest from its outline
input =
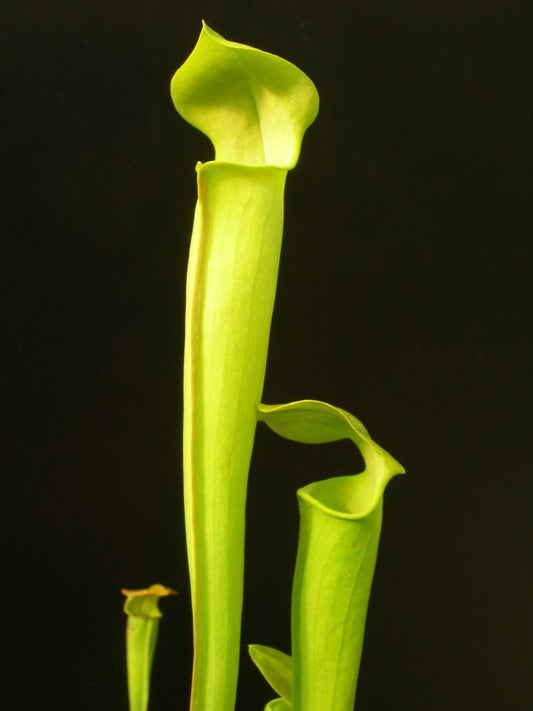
(142, 626)
(255, 108)
(275, 666)
(340, 524)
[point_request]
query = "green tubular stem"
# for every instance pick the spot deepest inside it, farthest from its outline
(142, 627)
(255, 108)
(141, 639)
(340, 524)
(230, 295)
(333, 578)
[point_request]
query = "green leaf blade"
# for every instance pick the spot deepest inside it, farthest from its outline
(278, 705)
(254, 106)
(311, 422)
(276, 667)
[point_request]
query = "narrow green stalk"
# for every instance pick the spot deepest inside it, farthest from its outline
(255, 108)
(142, 627)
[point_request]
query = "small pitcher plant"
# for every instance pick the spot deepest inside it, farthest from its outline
(255, 108)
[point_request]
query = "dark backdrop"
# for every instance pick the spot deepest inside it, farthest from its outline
(403, 296)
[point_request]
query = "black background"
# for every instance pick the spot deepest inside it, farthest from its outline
(403, 296)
